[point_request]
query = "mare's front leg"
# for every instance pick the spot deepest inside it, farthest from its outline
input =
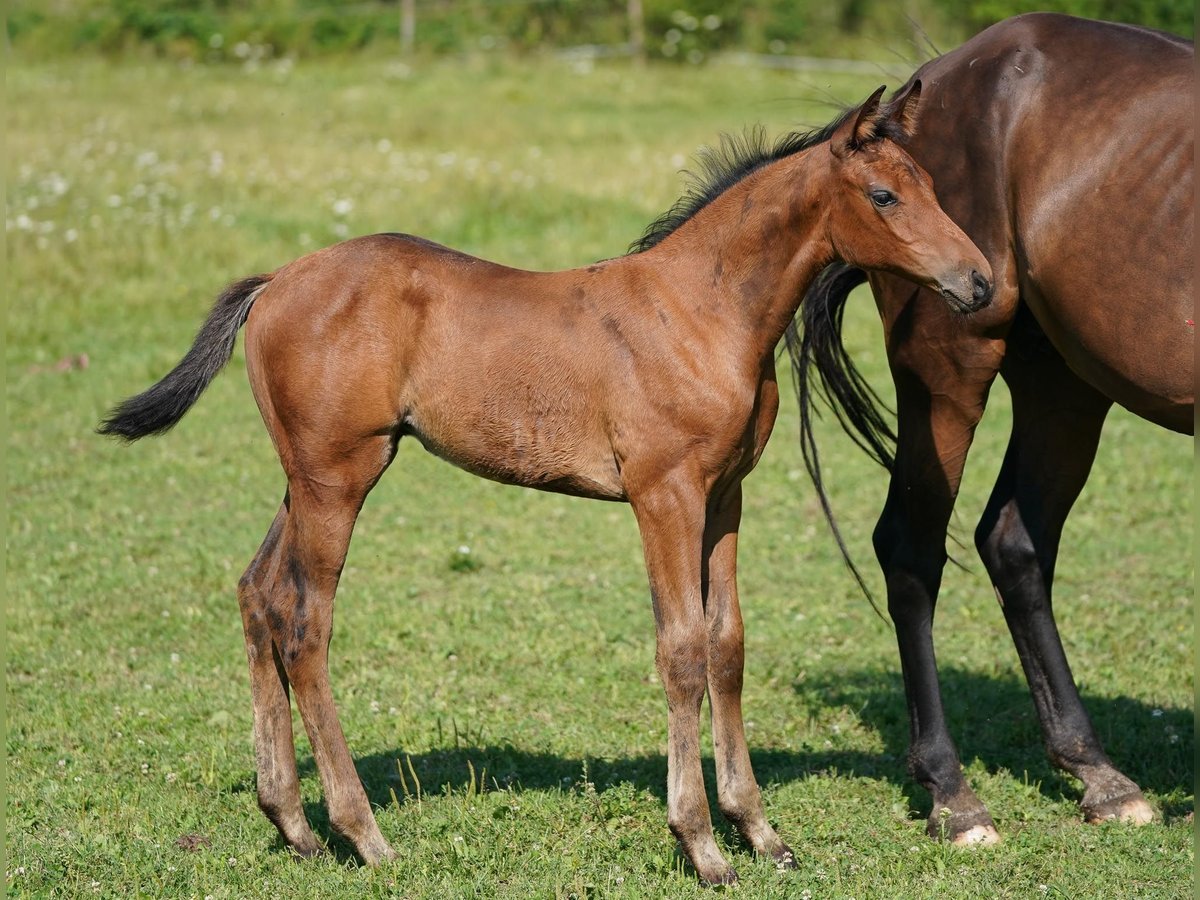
(670, 514)
(941, 390)
(737, 789)
(1057, 420)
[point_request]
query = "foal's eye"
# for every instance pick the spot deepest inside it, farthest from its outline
(883, 198)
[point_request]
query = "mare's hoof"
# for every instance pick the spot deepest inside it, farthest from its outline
(972, 829)
(1132, 809)
(976, 836)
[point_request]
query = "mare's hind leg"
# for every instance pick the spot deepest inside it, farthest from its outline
(737, 789)
(1056, 427)
(324, 501)
(274, 750)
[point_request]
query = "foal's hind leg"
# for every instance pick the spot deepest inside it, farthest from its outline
(274, 750)
(737, 789)
(324, 508)
(1056, 427)
(324, 501)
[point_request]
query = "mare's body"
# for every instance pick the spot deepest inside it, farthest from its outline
(1064, 148)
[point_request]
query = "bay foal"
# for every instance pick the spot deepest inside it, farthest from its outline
(649, 379)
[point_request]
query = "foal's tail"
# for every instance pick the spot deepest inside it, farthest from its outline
(815, 346)
(156, 410)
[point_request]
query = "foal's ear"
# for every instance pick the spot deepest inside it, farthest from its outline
(902, 111)
(859, 127)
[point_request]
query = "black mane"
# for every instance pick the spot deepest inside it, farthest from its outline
(723, 166)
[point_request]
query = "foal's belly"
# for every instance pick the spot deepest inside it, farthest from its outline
(527, 440)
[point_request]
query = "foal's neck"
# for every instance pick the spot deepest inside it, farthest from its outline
(752, 251)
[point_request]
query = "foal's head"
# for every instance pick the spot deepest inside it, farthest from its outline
(887, 216)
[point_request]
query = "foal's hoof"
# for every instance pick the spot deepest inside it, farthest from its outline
(784, 857)
(725, 879)
(711, 867)
(308, 851)
(1132, 809)
(376, 852)
(305, 845)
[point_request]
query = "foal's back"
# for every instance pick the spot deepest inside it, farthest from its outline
(503, 372)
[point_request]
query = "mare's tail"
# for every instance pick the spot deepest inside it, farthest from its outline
(820, 364)
(156, 410)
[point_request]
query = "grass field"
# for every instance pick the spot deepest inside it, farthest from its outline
(501, 702)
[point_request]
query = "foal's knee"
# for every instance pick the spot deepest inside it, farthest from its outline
(726, 655)
(682, 661)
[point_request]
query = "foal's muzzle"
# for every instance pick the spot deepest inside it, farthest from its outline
(981, 290)
(967, 293)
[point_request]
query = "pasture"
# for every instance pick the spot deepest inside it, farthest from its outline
(493, 653)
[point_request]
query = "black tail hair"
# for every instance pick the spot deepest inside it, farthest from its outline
(158, 409)
(815, 347)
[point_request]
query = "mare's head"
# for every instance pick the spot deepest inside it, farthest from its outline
(883, 213)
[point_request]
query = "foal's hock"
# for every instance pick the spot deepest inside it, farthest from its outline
(667, 407)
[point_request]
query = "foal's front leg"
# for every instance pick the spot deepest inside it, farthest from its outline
(671, 518)
(737, 789)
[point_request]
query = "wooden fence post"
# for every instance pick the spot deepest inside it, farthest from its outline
(408, 26)
(637, 31)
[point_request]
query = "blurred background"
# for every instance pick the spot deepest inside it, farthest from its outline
(681, 31)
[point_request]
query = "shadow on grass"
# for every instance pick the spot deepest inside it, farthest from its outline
(993, 721)
(990, 716)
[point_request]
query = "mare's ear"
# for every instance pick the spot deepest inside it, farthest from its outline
(902, 111)
(859, 127)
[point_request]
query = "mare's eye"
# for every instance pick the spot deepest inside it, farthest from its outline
(883, 198)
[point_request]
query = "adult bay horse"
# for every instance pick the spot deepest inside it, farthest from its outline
(1064, 149)
(649, 379)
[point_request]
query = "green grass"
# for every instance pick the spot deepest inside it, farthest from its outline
(517, 689)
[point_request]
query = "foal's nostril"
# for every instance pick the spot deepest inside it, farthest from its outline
(981, 288)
